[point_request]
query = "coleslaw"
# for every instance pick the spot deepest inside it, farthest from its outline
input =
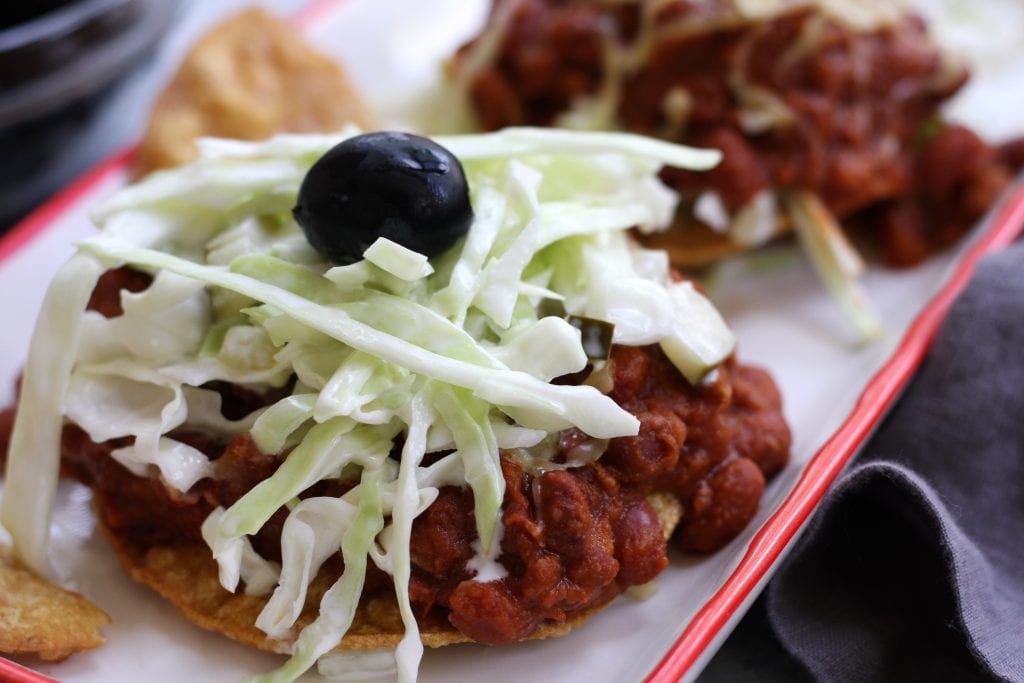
(452, 355)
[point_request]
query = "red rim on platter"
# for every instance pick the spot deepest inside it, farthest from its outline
(11, 672)
(777, 534)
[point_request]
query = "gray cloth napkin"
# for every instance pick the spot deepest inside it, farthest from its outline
(913, 567)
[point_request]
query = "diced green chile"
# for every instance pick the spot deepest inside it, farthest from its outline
(404, 187)
(597, 336)
(551, 307)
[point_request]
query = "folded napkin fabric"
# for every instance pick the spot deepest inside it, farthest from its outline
(913, 567)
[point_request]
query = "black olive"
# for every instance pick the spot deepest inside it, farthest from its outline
(403, 187)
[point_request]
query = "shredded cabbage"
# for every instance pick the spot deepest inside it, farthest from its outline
(836, 261)
(33, 461)
(450, 356)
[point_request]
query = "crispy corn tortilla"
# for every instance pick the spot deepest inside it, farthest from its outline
(248, 78)
(39, 618)
(691, 244)
(187, 577)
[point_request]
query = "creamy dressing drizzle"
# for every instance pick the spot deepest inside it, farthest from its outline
(485, 563)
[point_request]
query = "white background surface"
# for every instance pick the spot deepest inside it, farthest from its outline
(784, 321)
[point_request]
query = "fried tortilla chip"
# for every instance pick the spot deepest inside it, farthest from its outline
(187, 577)
(39, 618)
(249, 78)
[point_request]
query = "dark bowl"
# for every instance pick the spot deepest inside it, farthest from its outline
(58, 61)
